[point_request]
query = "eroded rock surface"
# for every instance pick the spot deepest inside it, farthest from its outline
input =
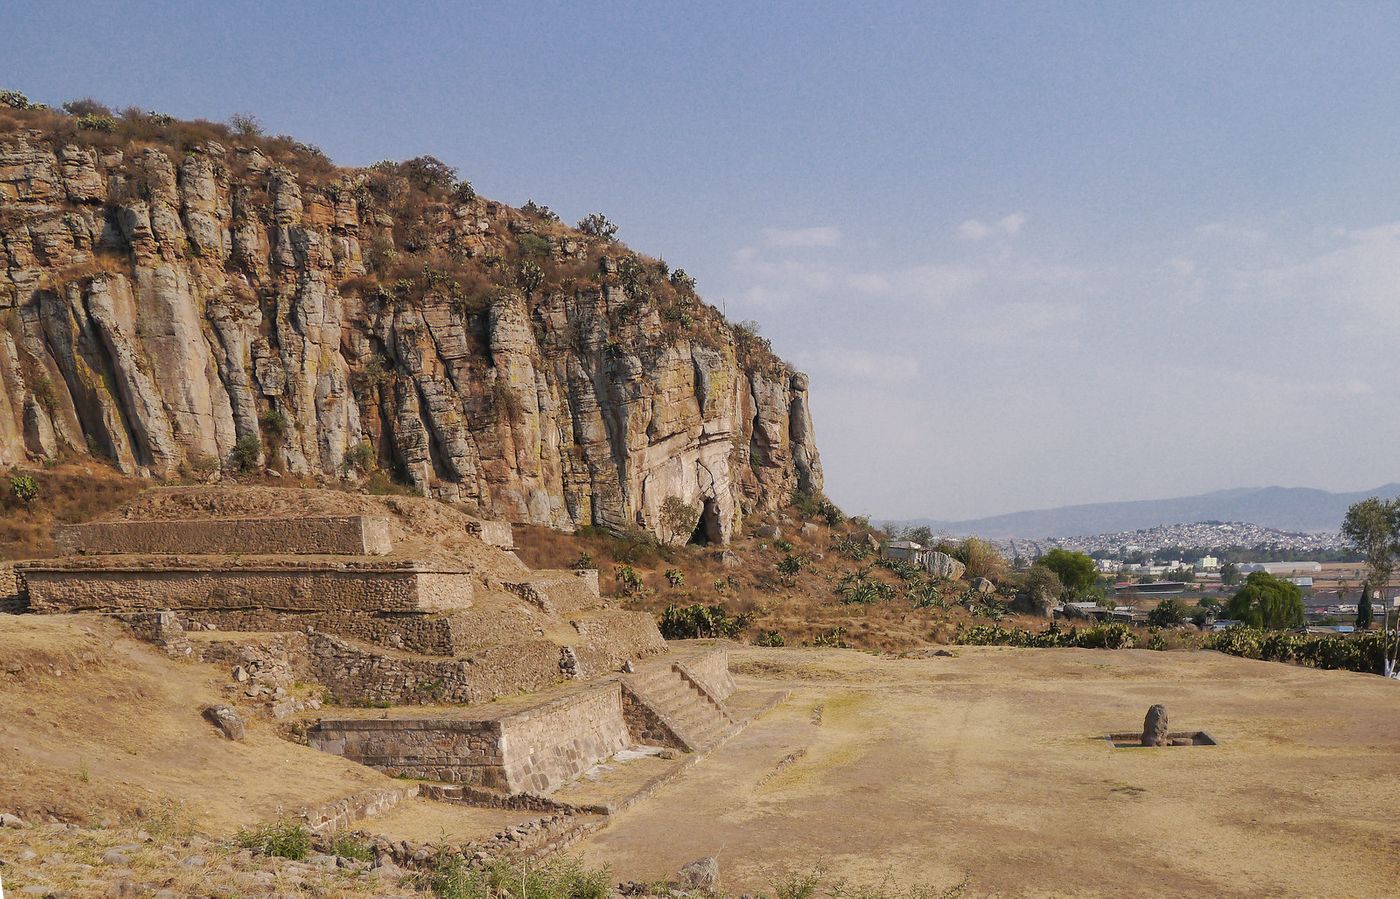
(179, 304)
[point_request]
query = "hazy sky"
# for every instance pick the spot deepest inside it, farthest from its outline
(1030, 254)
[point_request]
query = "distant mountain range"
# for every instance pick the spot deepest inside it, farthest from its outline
(1299, 509)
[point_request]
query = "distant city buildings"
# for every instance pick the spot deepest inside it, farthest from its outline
(1200, 536)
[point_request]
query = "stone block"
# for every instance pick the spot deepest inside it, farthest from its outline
(118, 584)
(358, 535)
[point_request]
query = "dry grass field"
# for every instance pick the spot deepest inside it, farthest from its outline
(96, 726)
(987, 770)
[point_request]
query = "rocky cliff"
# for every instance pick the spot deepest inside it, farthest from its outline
(183, 299)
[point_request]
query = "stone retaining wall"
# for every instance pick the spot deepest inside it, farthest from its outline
(442, 749)
(477, 797)
(349, 535)
(356, 676)
(645, 725)
(12, 598)
(305, 587)
(550, 745)
(493, 533)
(333, 816)
(535, 749)
(609, 639)
(434, 634)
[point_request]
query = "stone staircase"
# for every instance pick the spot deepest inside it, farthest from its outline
(690, 716)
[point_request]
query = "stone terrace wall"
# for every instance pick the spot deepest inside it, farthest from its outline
(535, 749)
(645, 725)
(12, 599)
(452, 750)
(340, 814)
(305, 587)
(356, 676)
(434, 634)
(349, 535)
(550, 745)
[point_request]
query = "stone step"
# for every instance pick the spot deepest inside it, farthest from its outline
(696, 719)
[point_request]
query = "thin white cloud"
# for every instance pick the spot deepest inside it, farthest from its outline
(1006, 226)
(1023, 323)
(831, 363)
(801, 238)
(1231, 233)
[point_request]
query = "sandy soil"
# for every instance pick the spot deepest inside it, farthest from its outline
(990, 769)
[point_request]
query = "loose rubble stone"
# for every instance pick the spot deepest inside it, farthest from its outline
(568, 662)
(982, 585)
(701, 874)
(226, 720)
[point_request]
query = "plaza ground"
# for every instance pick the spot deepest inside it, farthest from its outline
(989, 769)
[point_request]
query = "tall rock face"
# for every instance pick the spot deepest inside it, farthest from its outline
(179, 299)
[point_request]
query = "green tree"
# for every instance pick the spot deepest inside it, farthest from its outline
(1043, 586)
(1267, 602)
(1229, 574)
(1168, 613)
(1371, 528)
(678, 518)
(920, 535)
(1075, 570)
(1363, 608)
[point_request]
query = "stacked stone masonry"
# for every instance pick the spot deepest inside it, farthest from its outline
(112, 583)
(434, 634)
(711, 671)
(357, 535)
(544, 746)
(12, 598)
(532, 750)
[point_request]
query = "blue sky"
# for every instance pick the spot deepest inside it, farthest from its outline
(1031, 254)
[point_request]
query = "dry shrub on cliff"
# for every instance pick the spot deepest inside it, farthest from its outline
(66, 493)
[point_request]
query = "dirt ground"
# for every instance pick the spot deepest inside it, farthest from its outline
(95, 726)
(987, 769)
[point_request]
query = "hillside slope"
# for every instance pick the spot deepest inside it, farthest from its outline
(1296, 509)
(180, 298)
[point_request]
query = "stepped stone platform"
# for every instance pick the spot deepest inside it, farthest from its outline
(540, 743)
(449, 659)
